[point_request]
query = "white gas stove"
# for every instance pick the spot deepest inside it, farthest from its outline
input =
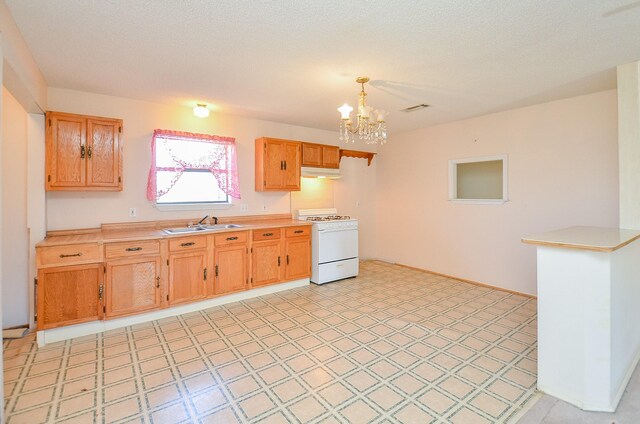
(334, 245)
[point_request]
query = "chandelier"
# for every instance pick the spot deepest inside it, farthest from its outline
(366, 128)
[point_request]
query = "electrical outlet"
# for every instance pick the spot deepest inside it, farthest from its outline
(357, 203)
(264, 208)
(132, 212)
(244, 207)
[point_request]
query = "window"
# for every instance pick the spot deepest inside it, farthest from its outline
(478, 180)
(192, 169)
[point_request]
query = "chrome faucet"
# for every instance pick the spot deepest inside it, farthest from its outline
(215, 220)
(203, 219)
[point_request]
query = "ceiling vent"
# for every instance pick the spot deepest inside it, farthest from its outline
(414, 108)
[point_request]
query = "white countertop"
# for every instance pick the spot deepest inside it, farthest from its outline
(586, 238)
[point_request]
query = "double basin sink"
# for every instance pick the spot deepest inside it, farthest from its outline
(200, 228)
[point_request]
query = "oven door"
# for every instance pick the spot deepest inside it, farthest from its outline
(337, 244)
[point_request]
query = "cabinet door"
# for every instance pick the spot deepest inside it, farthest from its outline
(132, 286)
(69, 295)
(266, 262)
(103, 153)
(297, 258)
(187, 276)
(311, 154)
(273, 164)
(230, 268)
(291, 179)
(330, 156)
(65, 152)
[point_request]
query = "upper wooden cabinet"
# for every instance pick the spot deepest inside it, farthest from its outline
(83, 153)
(277, 164)
(320, 155)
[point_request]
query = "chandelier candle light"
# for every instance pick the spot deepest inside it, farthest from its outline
(370, 130)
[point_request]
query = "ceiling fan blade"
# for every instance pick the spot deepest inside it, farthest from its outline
(621, 9)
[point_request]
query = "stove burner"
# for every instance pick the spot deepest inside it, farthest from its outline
(328, 218)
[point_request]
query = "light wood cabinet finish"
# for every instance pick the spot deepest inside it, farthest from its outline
(83, 153)
(277, 164)
(104, 167)
(187, 243)
(320, 155)
(132, 249)
(70, 254)
(132, 285)
(297, 257)
(230, 264)
(230, 261)
(85, 281)
(266, 262)
(187, 276)
(69, 295)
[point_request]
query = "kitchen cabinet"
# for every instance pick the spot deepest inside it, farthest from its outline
(277, 164)
(266, 257)
(188, 272)
(297, 250)
(132, 285)
(230, 262)
(83, 153)
(69, 295)
(320, 155)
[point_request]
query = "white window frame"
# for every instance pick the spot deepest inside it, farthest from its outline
(453, 180)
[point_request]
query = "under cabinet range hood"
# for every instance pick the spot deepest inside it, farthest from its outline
(310, 172)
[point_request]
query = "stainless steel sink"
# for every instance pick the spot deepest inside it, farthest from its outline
(200, 228)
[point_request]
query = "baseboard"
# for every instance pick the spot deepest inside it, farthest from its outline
(625, 380)
(464, 280)
(72, 331)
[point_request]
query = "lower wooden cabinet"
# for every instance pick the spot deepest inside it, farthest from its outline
(297, 257)
(266, 262)
(127, 278)
(132, 285)
(230, 261)
(69, 295)
(188, 275)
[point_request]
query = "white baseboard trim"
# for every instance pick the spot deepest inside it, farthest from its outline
(625, 381)
(69, 332)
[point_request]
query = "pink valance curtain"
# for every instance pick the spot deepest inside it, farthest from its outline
(183, 150)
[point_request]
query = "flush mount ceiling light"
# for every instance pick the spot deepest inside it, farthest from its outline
(366, 128)
(201, 110)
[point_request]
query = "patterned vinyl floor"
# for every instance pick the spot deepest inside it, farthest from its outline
(391, 346)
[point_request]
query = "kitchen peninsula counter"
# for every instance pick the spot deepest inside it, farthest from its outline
(588, 315)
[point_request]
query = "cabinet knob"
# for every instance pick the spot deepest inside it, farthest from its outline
(133, 249)
(191, 243)
(298, 231)
(232, 238)
(71, 255)
(82, 151)
(89, 152)
(267, 234)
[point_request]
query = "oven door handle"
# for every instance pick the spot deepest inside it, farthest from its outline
(335, 230)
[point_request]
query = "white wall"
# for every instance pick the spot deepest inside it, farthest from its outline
(15, 239)
(84, 209)
(629, 143)
(562, 171)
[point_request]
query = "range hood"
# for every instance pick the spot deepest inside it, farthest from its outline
(310, 172)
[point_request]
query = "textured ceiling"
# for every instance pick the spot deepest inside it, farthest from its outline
(295, 61)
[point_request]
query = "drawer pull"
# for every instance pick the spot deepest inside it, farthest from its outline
(298, 232)
(267, 234)
(190, 243)
(133, 249)
(70, 256)
(232, 238)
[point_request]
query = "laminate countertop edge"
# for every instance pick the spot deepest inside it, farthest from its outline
(596, 239)
(116, 236)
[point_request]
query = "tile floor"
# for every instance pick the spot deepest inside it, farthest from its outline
(391, 346)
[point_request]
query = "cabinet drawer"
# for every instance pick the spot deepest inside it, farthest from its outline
(69, 254)
(187, 243)
(231, 238)
(133, 248)
(268, 234)
(298, 231)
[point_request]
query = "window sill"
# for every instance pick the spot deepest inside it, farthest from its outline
(192, 206)
(480, 201)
